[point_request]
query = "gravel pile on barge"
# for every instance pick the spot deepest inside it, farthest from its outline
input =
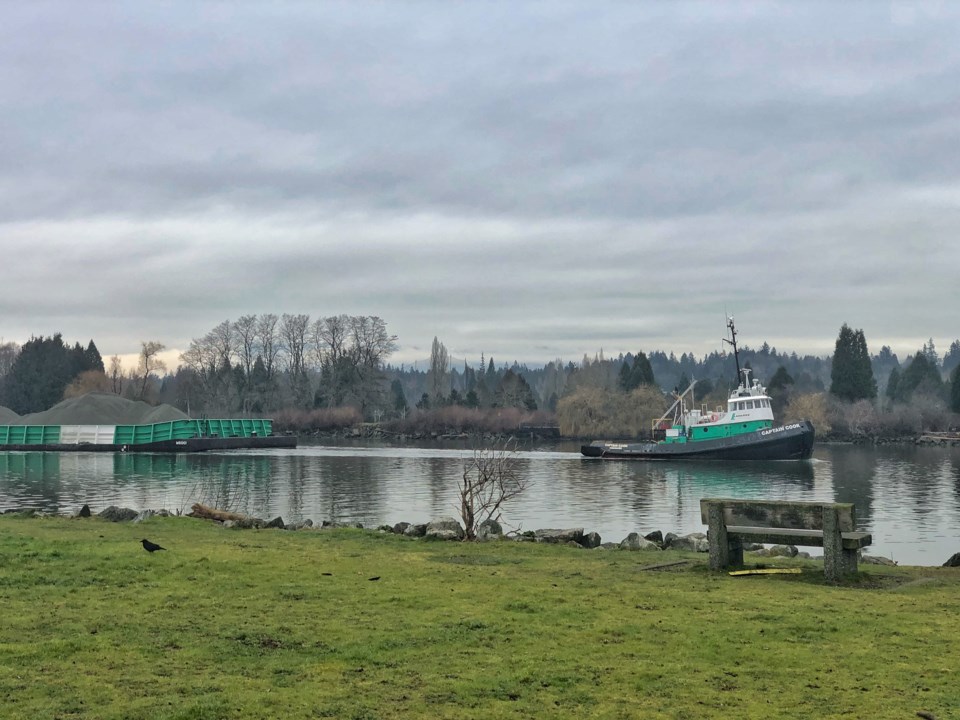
(96, 409)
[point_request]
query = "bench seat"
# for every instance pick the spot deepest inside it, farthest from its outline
(780, 536)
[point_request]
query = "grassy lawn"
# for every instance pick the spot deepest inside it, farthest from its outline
(275, 624)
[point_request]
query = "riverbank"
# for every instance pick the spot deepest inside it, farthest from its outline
(355, 624)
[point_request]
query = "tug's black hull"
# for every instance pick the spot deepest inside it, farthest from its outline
(787, 442)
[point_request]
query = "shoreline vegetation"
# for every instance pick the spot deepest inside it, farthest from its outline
(349, 623)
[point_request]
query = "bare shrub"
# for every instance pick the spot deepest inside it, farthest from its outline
(294, 419)
(87, 382)
(813, 407)
(459, 419)
(591, 411)
(490, 479)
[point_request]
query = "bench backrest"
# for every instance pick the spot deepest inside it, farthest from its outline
(779, 514)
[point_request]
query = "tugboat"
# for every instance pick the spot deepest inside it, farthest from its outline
(744, 431)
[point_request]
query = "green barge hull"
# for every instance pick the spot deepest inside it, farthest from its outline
(176, 436)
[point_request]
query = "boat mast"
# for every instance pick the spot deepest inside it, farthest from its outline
(733, 341)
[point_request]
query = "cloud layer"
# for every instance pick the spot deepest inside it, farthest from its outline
(531, 181)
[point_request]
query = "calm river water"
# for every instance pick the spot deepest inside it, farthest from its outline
(908, 497)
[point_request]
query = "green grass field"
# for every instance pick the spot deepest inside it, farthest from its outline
(275, 624)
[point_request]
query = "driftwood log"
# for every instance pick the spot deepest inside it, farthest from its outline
(209, 513)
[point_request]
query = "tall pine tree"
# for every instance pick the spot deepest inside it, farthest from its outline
(851, 377)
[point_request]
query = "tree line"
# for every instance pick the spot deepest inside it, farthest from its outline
(265, 363)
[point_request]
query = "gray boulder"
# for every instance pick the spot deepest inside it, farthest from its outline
(551, 535)
(143, 515)
(84, 511)
(656, 536)
(954, 561)
(633, 541)
(400, 528)
(247, 523)
(876, 560)
(489, 530)
(147, 514)
(591, 540)
(445, 528)
(117, 514)
(777, 551)
(694, 542)
(277, 522)
(416, 530)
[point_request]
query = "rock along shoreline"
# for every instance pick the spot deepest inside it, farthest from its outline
(450, 529)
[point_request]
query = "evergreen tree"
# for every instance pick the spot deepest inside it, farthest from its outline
(781, 378)
(513, 391)
(955, 389)
(779, 389)
(921, 376)
(39, 375)
(641, 373)
(893, 384)
(92, 358)
(399, 398)
(851, 377)
(952, 359)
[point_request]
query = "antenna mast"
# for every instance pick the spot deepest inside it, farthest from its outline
(733, 341)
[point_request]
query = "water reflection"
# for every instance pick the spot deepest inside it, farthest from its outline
(908, 497)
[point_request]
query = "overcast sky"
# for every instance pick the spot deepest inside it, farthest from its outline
(524, 180)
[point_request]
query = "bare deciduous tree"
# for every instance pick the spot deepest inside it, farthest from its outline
(490, 479)
(116, 375)
(268, 342)
(245, 341)
(293, 333)
(149, 364)
(439, 375)
(8, 354)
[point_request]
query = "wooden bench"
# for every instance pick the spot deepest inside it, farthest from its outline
(832, 526)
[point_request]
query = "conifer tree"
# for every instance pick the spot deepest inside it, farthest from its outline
(851, 377)
(955, 389)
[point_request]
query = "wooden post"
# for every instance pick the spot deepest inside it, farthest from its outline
(833, 560)
(724, 552)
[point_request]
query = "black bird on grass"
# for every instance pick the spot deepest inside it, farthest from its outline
(150, 547)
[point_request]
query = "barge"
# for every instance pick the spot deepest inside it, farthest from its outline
(176, 436)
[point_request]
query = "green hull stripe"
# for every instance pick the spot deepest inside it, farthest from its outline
(137, 434)
(713, 432)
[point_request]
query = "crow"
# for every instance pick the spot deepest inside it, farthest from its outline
(150, 547)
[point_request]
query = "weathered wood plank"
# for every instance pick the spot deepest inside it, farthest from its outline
(781, 514)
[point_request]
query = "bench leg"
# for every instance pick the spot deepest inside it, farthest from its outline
(849, 561)
(837, 561)
(724, 550)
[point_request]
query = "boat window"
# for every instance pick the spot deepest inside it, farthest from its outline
(749, 404)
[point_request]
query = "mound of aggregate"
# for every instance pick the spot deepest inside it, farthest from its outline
(99, 409)
(8, 416)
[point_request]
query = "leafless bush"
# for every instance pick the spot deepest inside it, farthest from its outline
(595, 412)
(227, 492)
(459, 419)
(813, 407)
(490, 479)
(317, 419)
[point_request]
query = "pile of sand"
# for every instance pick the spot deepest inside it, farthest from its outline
(96, 409)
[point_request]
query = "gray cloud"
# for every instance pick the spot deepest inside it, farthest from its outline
(526, 180)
